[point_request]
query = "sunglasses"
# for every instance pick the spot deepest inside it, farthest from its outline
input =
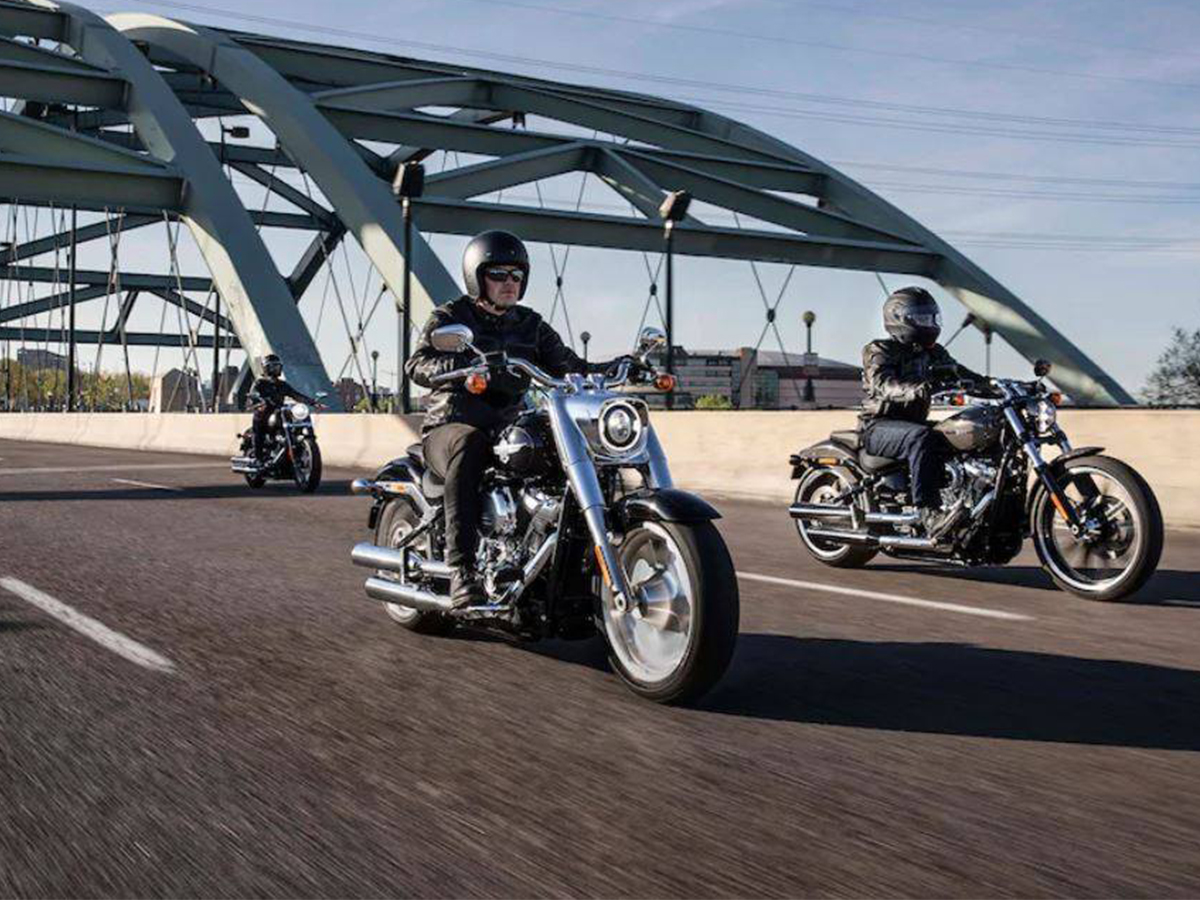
(501, 275)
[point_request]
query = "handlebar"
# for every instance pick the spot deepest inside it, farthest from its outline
(536, 375)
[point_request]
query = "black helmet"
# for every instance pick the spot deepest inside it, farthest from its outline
(912, 316)
(493, 248)
(272, 365)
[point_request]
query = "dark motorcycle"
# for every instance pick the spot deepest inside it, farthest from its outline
(582, 532)
(291, 452)
(1094, 521)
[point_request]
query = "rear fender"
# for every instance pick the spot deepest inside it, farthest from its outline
(401, 476)
(826, 453)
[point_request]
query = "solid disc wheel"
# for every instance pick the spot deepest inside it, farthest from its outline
(396, 521)
(1121, 541)
(675, 639)
(306, 465)
(824, 486)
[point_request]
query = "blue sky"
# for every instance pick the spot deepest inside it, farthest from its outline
(1040, 97)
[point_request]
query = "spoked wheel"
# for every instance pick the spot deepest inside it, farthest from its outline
(675, 639)
(825, 486)
(306, 465)
(1121, 540)
(396, 522)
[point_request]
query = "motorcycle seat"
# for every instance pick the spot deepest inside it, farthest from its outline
(846, 438)
(431, 486)
(416, 452)
(877, 464)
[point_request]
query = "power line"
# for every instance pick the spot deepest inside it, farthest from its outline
(858, 12)
(1015, 176)
(874, 52)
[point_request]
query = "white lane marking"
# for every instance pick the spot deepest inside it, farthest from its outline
(124, 467)
(146, 484)
(89, 627)
(888, 598)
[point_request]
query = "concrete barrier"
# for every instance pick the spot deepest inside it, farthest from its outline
(739, 454)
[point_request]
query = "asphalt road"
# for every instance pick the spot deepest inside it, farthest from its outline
(272, 733)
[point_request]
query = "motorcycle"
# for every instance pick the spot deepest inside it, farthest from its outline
(582, 532)
(1094, 521)
(291, 451)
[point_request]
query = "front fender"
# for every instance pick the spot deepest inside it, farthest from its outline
(662, 505)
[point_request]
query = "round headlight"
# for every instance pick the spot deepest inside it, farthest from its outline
(299, 411)
(620, 427)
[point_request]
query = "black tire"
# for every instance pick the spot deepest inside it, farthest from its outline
(395, 519)
(714, 617)
(255, 481)
(1145, 515)
(844, 556)
(313, 481)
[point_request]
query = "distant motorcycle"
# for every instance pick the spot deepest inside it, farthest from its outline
(582, 532)
(1094, 521)
(291, 452)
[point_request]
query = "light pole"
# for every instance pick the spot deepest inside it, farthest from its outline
(374, 381)
(672, 210)
(809, 395)
(408, 184)
(585, 337)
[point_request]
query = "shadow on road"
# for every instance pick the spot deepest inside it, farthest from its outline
(1171, 586)
(961, 689)
(20, 626)
(274, 489)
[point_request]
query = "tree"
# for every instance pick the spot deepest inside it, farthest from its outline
(1175, 380)
(713, 401)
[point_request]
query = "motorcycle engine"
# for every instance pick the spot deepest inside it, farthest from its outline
(970, 479)
(511, 529)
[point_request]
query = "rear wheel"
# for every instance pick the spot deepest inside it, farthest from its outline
(825, 485)
(396, 521)
(306, 464)
(676, 638)
(1121, 541)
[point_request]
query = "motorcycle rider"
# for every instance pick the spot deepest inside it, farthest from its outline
(899, 376)
(457, 433)
(268, 392)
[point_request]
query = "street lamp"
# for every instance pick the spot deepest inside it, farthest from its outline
(408, 184)
(374, 381)
(585, 337)
(809, 395)
(672, 210)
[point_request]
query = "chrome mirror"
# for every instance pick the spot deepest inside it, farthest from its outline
(651, 339)
(452, 338)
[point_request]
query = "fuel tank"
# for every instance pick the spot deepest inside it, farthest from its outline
(975, 428)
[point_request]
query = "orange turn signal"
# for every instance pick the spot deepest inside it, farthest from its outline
(477, 383)
(958, 400)
(1055, 397)
(665, 382)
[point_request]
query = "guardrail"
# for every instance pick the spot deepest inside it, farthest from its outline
(737, 454)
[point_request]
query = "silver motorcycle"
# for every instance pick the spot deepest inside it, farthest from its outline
(582, 532)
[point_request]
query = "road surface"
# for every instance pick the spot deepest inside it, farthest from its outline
(196, 698)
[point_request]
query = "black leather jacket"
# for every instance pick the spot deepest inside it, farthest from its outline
(519, 332)
(273, 392)
(899, 379)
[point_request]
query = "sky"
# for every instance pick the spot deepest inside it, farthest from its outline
(1053, 143)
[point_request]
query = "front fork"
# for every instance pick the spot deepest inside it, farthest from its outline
(1033, 450)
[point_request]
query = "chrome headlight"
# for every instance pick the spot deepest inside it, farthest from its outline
(622, 427)
(1045, 416)
(299, 412)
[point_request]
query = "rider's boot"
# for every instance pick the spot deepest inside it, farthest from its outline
(465, 589)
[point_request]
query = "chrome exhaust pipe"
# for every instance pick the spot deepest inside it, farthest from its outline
(903, 542)
(849, 537)
(434, 568)
(406, 595)
(828, 511)
(376, 557)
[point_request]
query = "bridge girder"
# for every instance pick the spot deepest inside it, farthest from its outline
(320, 102)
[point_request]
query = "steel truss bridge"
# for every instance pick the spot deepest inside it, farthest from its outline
(115, 115)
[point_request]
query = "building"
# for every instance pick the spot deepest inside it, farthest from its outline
(175, 391)
(41, 359)
(760, 379)
(351, 393)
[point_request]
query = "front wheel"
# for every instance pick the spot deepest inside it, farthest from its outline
(306, 464)
(1121, 540)
(675, 639)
